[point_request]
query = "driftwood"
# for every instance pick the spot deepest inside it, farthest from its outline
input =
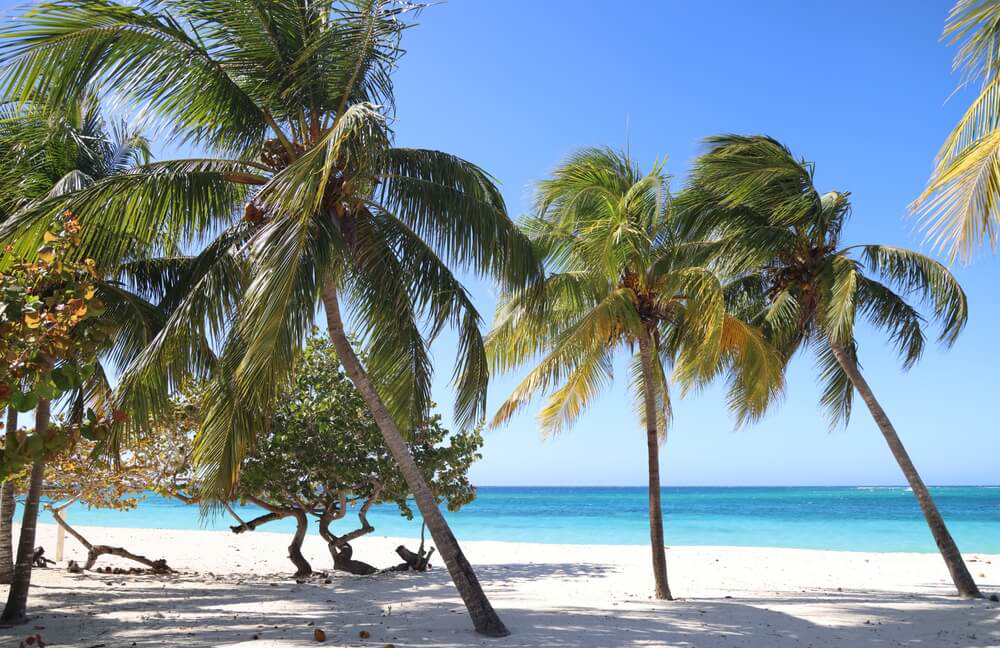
(416, 561)
(96, 551)
(419, 561)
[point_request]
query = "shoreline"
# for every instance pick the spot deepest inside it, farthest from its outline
(232, 587)
(94, 532)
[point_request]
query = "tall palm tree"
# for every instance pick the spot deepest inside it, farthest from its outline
(14, 612)
(806, 288)
(45, 152)
(961, 204)
(7, 506)
(293, 100)
(620, 279)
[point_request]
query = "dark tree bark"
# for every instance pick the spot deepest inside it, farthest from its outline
(340, 546)
(653, 455)
(256, 522)
(343, 561)
(484, 617)
(960, 575)
(418, 561)
(7, 505)
(302, 566)
(96, 551)
(15, 612)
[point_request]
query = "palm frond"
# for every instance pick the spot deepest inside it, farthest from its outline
(661, 395)
(759, 174)
(149, 57)
(890, 312)
(960, 207)
(135, 211)
(837, 394)
(199, 297)
(603, 325)
(456, 207)
(439, 297)
(591, 373)
(839, 280)
(389, 327)
(917, 274)
(755, 370)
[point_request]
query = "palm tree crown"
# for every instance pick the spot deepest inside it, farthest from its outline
(617, 272)
(47, 151)
(799, 282)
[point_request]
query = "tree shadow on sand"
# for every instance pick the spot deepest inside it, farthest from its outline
(424, 610)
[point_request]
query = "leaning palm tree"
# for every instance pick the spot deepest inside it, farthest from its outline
(807, 289)
(961, 204)
(292, 99)
(620, 279)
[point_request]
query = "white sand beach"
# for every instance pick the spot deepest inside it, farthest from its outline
(237, 591)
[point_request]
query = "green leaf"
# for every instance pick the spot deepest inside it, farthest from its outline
(23, 402)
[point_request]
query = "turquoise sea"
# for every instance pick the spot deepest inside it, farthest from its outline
(862, 518)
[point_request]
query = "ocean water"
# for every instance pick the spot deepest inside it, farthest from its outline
(859, 518)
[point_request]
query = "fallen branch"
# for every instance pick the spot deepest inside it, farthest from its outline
(96, 551)
(416, 561)
(419, 561)
(158, 566)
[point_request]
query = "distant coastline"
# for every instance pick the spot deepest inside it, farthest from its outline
(853, 518)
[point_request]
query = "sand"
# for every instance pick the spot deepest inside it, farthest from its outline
(236, 591)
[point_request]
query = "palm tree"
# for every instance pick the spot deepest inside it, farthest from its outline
(961, 204)
(45, 152)
(620, 279)
(293, 99)
(14, 612)
(806, 288)
(7, 506)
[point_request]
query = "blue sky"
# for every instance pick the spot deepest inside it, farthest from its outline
(860, 88)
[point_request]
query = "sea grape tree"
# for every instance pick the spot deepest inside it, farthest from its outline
(324, 456)
(50, 335)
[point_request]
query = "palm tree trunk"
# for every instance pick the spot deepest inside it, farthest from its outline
(946, 544)
(484, 617)
(7, 496)
(15, 612)
(653, 451)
